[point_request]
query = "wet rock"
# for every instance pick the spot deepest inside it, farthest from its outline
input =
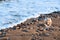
(14, 27)
(41, 17)
(58, 12)
(18, 25)
(25, 30)
(33, 20)
(1, 30)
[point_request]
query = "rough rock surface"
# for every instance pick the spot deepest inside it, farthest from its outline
(33, 29)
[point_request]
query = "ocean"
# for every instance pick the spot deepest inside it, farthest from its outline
(13, 12)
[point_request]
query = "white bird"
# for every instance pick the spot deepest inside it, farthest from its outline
(48, 22)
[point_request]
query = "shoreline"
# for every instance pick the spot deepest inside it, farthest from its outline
(35, 16)
(33, 28)
(29, 18)
(25, 20)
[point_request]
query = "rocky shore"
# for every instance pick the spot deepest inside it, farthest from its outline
(33, 29)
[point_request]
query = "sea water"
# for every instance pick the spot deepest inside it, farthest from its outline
(13, 12)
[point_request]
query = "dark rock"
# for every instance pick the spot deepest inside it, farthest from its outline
(28, 24)
(34, 20)
(18, 25)
(41, 17)
(58, 12)
(14, 27)
(1, 30)
(25, 30)
(22, 24)
(39, 25)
